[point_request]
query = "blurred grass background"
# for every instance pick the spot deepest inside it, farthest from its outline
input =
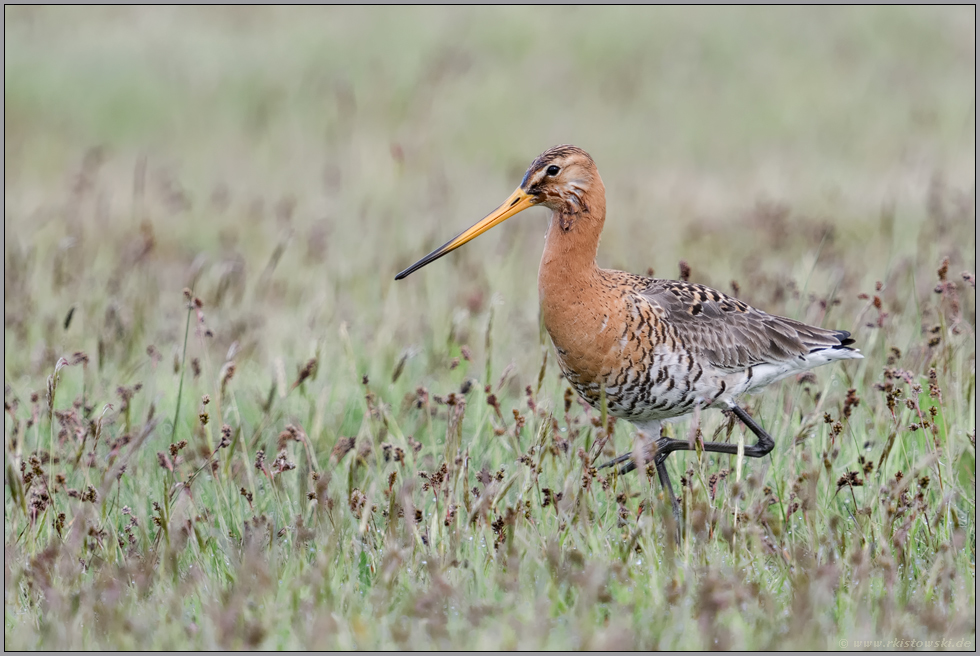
(285, 163)
(384, 131)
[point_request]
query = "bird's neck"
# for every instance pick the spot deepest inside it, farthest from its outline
(570, 247)
(573, 291)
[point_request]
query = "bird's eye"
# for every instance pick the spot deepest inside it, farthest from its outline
(553, 170)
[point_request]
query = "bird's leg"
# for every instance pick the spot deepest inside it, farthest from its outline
(661, 449)
(757, 450)
(669, 491)
(665, 446)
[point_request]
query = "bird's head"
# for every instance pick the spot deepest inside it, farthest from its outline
(561, 179)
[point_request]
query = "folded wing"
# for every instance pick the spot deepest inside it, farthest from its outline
(732, 335)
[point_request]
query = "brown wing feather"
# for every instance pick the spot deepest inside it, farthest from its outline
(731, 334)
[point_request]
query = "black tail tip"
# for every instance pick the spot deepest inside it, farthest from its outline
(844, 337)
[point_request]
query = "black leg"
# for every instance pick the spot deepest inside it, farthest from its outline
(664, 446)
(765, 443)
(669, 491)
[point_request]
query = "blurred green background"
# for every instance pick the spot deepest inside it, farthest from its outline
(286, 162)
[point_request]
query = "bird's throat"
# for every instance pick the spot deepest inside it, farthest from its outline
(569, 259)
(572, 293)
(569, 251)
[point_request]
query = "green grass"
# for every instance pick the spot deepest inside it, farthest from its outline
(283, 165)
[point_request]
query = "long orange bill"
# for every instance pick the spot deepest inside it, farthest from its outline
(518, 202)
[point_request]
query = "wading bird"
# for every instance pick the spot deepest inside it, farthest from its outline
(654, 349)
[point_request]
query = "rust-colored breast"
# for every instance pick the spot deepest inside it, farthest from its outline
(606, 335)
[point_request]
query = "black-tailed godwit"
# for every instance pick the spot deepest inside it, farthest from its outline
(656, 349)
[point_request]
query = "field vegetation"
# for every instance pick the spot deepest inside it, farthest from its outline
(226, 426)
